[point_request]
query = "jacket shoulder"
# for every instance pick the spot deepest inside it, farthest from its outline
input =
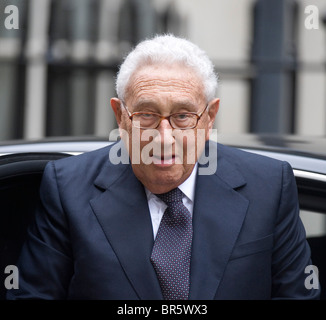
(84, 166)
(246, 158)
(97, 157)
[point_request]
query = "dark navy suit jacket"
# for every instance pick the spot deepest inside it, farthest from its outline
(92, 236)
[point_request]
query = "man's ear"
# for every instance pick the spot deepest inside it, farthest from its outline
(116, 107)
(212, 111)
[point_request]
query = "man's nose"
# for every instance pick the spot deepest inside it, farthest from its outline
(165, 132)
(164, 124)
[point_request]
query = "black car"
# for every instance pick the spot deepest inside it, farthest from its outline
(22, 164)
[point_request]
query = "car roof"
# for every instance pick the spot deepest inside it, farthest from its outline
(302, 152)
(307, 153)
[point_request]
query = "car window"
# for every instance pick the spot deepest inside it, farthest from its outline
(314, 222)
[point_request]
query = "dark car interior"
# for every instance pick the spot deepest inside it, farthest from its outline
(20, 177)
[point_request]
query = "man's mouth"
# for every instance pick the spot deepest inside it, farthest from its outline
(164, 160)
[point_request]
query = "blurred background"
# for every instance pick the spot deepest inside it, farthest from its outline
(58, 61)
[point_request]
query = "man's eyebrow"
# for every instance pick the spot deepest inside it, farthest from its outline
(186, 105)
(177, 105)
(145, 103)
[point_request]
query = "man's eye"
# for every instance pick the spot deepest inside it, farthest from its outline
(181, 116)
(147, 116)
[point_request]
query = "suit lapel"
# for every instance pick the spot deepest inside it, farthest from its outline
(123, 213)
(217, 220)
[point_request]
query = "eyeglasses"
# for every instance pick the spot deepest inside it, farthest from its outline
(151, 120)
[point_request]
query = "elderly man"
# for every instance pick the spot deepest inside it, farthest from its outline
(184, 218)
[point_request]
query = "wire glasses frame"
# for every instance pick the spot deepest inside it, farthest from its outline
(158, 118)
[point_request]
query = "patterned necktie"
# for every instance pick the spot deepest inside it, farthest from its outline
(172, 247)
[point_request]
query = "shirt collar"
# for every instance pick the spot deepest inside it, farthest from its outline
(188, 186)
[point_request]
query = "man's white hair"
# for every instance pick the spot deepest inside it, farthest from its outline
(167, 49)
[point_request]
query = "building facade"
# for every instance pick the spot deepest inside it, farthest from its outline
(59, 58)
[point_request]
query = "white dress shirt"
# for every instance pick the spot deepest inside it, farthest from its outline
(157, 206)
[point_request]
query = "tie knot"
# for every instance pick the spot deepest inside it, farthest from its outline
(174, 195)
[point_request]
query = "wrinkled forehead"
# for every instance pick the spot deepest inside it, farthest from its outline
(175, 78)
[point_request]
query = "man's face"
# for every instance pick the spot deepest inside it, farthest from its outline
(164, 157)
